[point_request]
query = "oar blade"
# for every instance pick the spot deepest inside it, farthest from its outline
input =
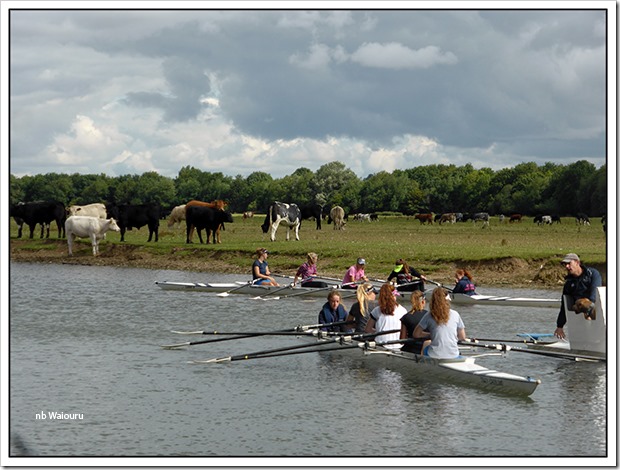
(175, 346)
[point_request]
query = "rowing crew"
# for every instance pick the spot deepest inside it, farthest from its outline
(435, 332)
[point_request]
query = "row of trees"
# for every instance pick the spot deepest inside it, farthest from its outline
(527, 188)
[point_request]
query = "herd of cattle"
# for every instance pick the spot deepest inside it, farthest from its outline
(94, 220)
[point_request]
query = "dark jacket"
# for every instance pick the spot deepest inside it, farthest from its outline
(327, 315)
(578, 288)
(464, 286)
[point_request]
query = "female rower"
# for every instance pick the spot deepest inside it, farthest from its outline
(307, 273)
(386, 316)
(355, 273)
(464, 283)
(366, 303)
(411, 320)
(260, 269)
(333, 312)
(445, 326)
(404, 274)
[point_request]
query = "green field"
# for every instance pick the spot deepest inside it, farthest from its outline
(430, 249)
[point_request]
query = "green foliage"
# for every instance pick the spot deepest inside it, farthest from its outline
(527, 188)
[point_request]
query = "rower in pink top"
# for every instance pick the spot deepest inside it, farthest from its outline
(355, 273)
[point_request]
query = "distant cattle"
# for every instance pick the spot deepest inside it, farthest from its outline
(210, 219)
(374, 217)
(502, 218)
(95, 228)
(481, 217)
(90, 210)
(459, 217)
(515, 218)
(217, 204)
(582, 219)
(177, 215)
(361, 217)
(556, 218)
(542, 219)
(248, 215)
(424, 218)
(41, 212)
(336, 215)
(313, 211)
(285, 213)
(449, 217)
(129, 216)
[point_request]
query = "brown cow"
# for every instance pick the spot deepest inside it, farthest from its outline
(515, 218)
(424, 218)
(217, 204)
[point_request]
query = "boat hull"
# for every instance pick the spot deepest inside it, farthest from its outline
(463, 299)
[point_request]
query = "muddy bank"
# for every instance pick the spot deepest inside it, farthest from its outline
(508, 272)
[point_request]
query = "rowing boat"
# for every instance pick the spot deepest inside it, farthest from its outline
(462, 370)
(251, 289)
(464, 299)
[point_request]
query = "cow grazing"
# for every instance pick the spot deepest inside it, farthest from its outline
(90, 210)
(177, 215)
(449, 217)
(217, 204)
(248, 215)
(40, 212)
(374, 217)
(310, 212)
(208, 218)
(281, 212)
(336, 215)
(129, 216)
(515, 218)
(95, 228)
(542, 219)
(582, 219)
(556, 218)
(424, 218)
(481, 217)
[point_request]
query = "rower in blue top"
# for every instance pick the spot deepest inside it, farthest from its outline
(464, 283)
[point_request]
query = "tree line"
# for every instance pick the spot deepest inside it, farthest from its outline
(527, 189)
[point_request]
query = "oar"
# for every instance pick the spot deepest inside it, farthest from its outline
(317, 289)
(225, 294)
(408, 283)
(522, 341)
(256, 354)
(439, 284)
(300, 329)
(541, 352)
(259, 297)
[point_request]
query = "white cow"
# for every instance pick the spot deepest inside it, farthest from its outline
(336, 215)
(79, 226)
(177, 215)
(91, 210)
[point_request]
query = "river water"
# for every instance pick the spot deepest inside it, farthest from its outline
(85, 343)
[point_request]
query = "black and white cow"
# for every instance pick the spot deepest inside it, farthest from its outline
(129, 216)
(40, 212)
(582, 219)
(313, 211)
(282, 212)
(208, 218)
(481, 217)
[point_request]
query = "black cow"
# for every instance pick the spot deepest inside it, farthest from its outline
(40, 212)
(129, 216)
(556, 218)
(207, 218)
(314, 211)
(282, 212)
(481, 217)
(582, 219)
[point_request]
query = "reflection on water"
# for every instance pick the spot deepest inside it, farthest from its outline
(96, 351)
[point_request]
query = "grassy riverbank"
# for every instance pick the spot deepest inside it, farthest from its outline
(520, 254)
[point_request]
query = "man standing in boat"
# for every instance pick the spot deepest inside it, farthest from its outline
(581, 282)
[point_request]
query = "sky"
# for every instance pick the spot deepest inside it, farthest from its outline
(237, 91)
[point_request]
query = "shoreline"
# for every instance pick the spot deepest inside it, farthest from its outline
(511, 272)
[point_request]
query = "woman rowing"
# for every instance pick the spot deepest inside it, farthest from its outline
(464, 283)
(355, 273)
(260, 269)
(386, 316)
(307, 273)
(366, 303)
(445, 326)
(404, 275)
(410, 320)
(333, 312)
